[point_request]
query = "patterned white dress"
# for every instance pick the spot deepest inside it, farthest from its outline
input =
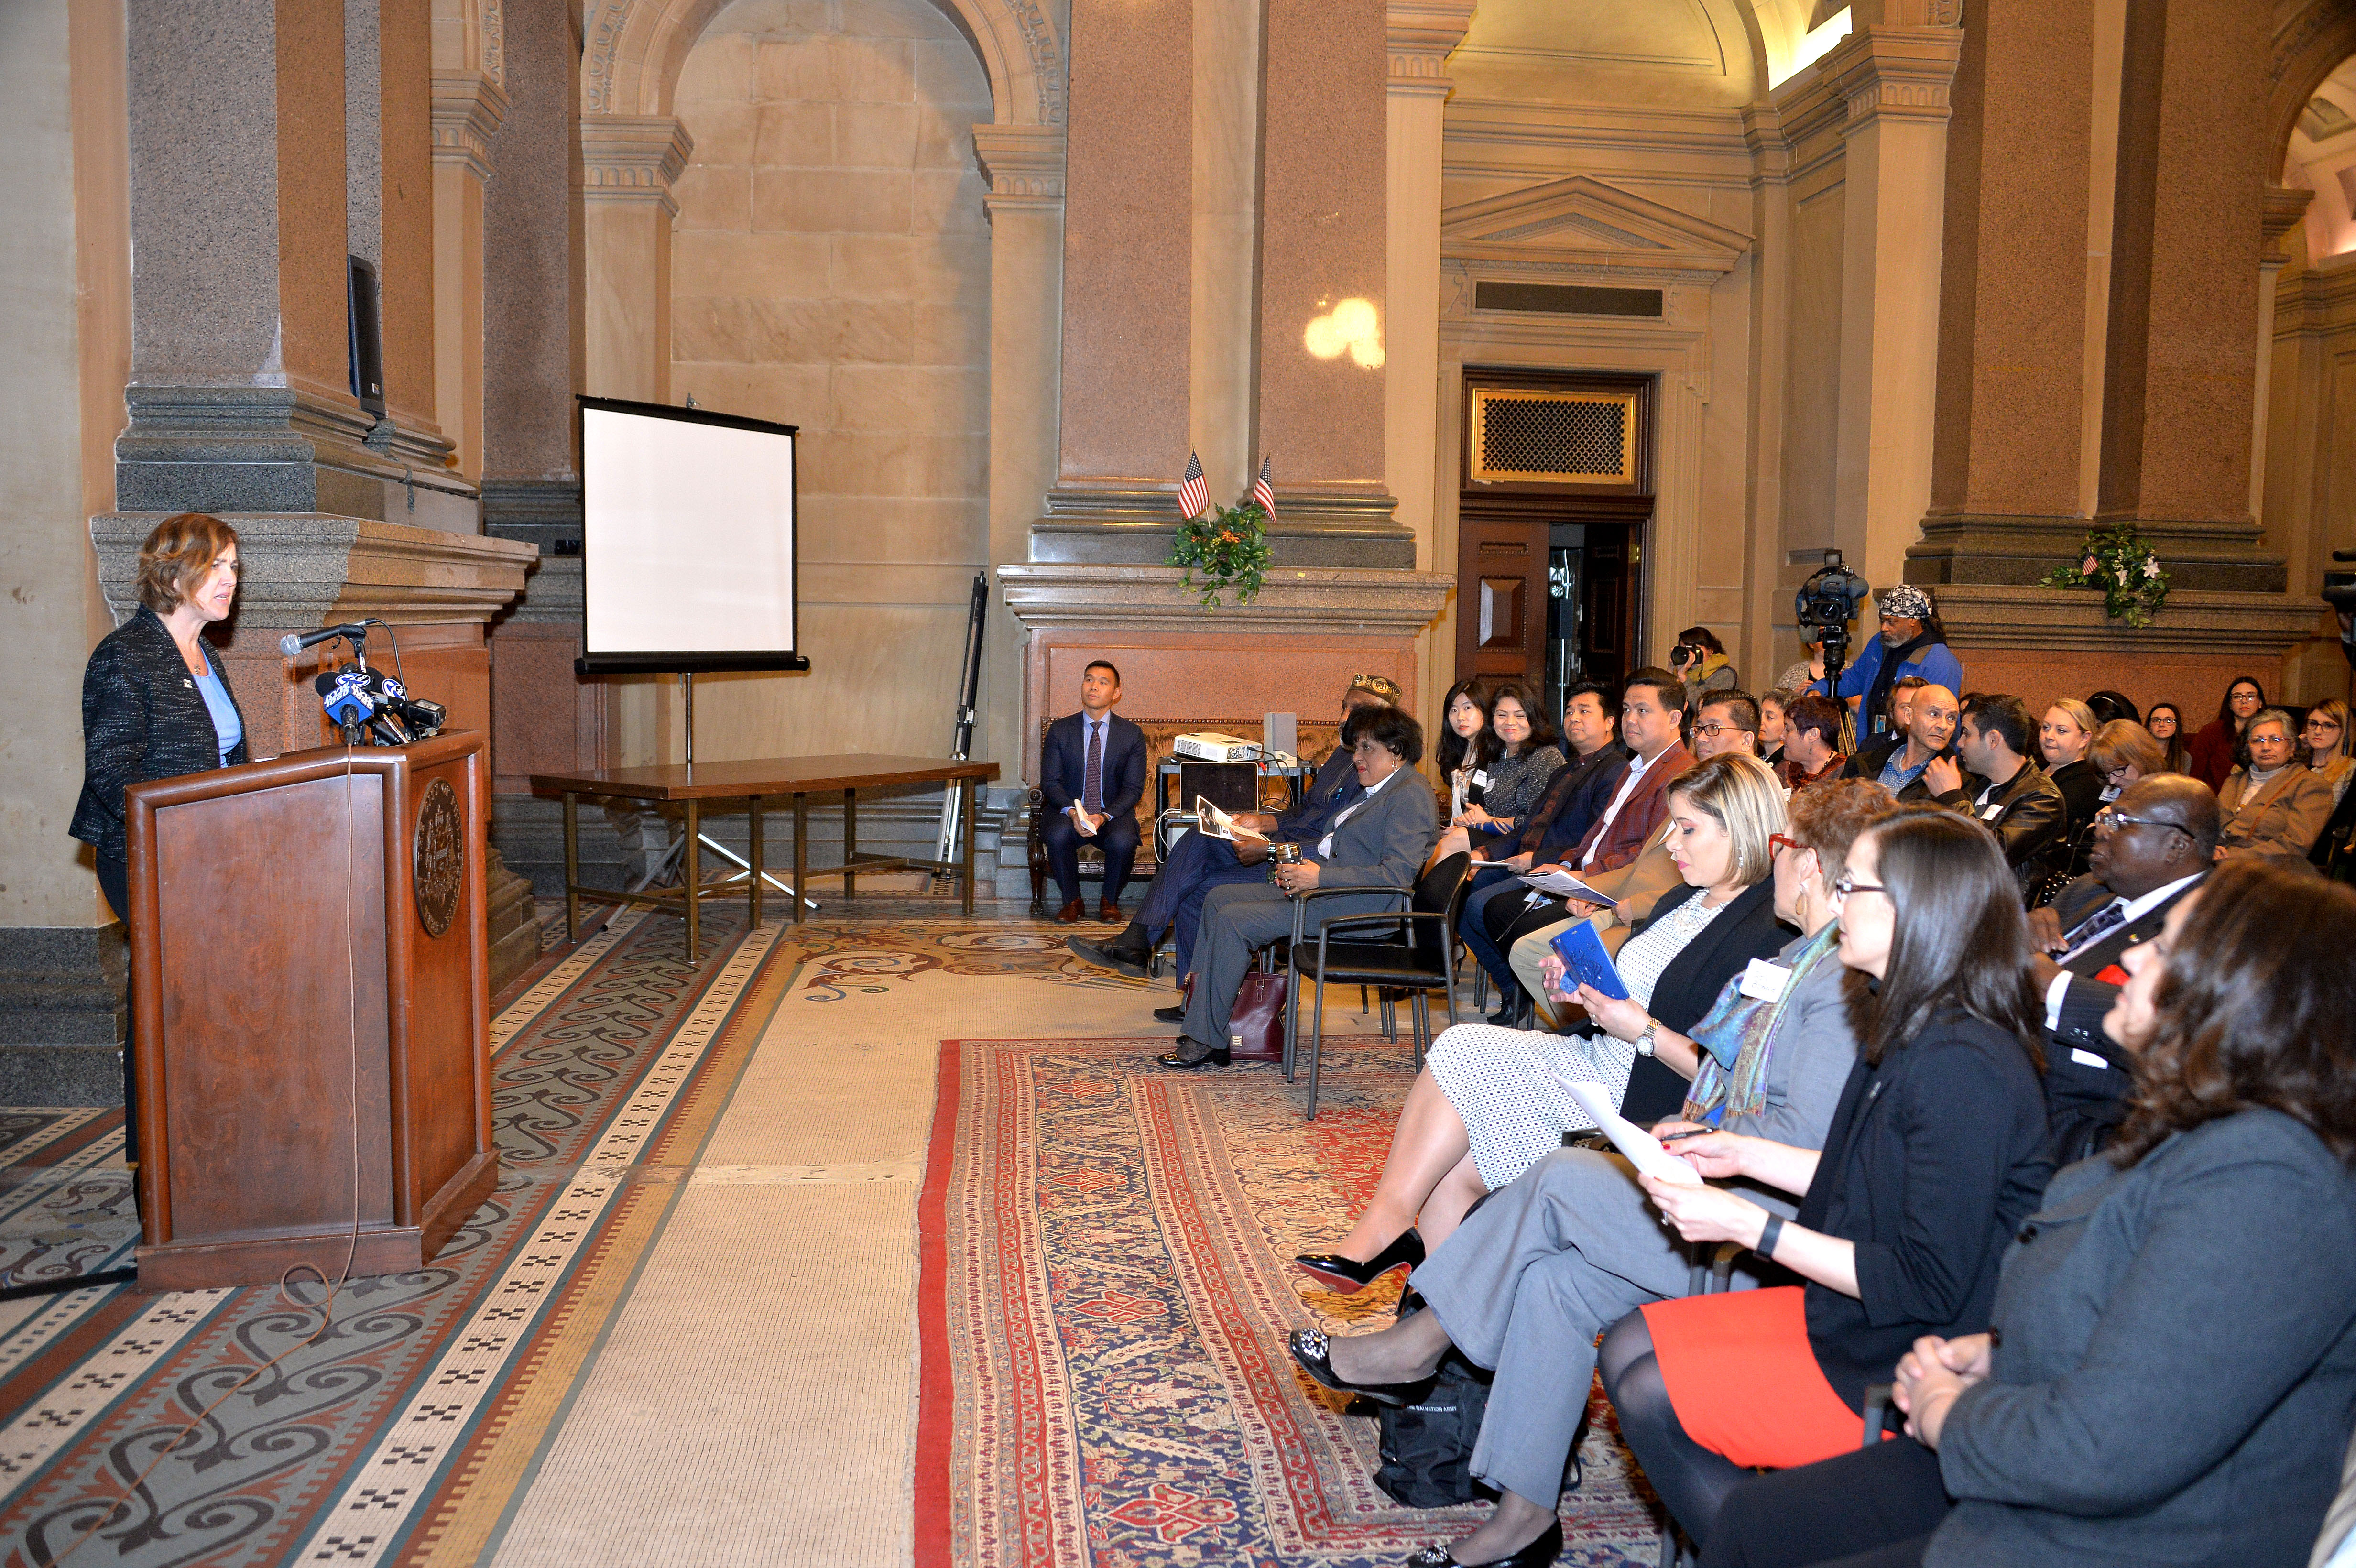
(1507, 1084)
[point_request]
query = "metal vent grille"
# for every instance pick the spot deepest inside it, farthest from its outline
(1553, 438)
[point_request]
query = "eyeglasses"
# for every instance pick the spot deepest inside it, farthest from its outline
(1783, 841)
(2110, 820)
(1846, 883)
(1714, 730)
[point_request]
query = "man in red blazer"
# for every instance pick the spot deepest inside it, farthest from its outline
(1652, 715)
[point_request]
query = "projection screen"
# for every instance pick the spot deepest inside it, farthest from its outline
(687, 540)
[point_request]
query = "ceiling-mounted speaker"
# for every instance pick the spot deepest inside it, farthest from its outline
(367, 346)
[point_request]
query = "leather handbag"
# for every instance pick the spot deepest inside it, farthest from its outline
(1256, 1023)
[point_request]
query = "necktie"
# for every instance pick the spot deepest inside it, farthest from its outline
(1092, 786)
(2093, 928)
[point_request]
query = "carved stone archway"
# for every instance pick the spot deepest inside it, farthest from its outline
(633, 149)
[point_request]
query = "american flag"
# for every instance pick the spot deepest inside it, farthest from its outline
(1264, 490)
(1195, 492)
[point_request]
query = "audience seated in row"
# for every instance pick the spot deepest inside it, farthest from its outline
(1377, 841)
(1491, 1102)
(1198, 863)
(2169, 1366)
(2273, 806)
(1529, 755)
(1935, 1150)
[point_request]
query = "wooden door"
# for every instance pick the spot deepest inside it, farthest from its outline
(1608, 624)
(1501, 599)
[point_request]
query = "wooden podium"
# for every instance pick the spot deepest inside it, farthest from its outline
(309, 969)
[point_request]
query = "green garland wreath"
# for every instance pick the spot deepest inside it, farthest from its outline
(2117, 561)
(1228, 547)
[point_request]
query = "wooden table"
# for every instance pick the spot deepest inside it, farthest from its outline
(692, 785)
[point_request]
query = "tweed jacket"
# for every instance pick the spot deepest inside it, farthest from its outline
(1623, 837)
(2178, 1363)
(2283, 817)
(1516, 784)
(141, 718)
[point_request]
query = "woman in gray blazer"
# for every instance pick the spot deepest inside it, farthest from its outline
(2172, 1372)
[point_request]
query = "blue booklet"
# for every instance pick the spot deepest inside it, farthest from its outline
(1585, 961)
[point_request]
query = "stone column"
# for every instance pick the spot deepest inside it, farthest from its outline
(2182, 381)
(1024, 164)
(2012, 297)
(1421, 33)
(629, 165)
(1128, 283)
(1323, 332)
(1895, 82)
(239, 394)
(2285, 210)
(469, 101)
(1222, 364)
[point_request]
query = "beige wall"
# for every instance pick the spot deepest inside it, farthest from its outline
(60, 74)
(831, 270)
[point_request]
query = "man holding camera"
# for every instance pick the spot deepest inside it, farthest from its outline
(1911, 643)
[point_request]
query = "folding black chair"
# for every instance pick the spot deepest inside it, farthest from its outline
(1419, 959)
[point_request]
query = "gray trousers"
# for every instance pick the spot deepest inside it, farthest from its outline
(1236, 920)
(1526, 1284)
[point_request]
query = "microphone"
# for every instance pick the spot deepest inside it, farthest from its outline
(345, 695)
(290, 644)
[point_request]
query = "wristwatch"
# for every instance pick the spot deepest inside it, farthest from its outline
(1645, 1040)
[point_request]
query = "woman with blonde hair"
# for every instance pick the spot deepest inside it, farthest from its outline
(156, 702)
(1491, 1101)
(2331, 748)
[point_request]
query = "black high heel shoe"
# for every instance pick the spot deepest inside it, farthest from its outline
(1537, 1554)
(1348, 1275)
(1311, 1349)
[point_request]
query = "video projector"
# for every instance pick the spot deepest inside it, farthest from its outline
(1210, 746)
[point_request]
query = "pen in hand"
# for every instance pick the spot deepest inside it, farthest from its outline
(1696, 1133)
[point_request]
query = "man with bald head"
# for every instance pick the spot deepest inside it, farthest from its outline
(1908, 766)
(2152, 846)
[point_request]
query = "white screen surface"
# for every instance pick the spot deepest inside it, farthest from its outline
(687, 536)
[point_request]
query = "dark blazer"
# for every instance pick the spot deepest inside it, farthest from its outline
(1574, 798)
(1334, 785)
(1935, 1156)
(141, 718)
(1063, 760)
(2179, 1361)
(1624, 839)
(2086, 1101)
(1688, 988)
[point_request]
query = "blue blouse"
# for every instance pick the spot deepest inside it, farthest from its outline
(227, 728)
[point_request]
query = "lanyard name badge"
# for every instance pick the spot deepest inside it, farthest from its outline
(1764, 982)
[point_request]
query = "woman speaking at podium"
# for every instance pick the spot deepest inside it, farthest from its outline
(154, 705)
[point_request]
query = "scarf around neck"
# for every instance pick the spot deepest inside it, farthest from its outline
(1738, 1038)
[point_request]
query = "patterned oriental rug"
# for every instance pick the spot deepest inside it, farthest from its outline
(1106, 1291)
(375, 1445)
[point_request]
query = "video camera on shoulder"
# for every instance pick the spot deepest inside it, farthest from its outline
(1827, 602)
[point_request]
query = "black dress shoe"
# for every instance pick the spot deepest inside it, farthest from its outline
(1537, 1554)
(1173, 1014)
(1349, 1276)
(1311, 1349)
(1192, 1053)
(1111, 955)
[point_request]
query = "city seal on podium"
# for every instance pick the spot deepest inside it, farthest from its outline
(438, 867)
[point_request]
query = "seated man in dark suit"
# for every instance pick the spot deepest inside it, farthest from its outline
(1092, 774)
(1198, 863)
(1377, 842)
(2152, 846)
